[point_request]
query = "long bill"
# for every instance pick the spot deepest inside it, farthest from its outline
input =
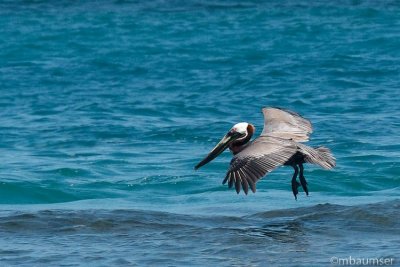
(218, 149)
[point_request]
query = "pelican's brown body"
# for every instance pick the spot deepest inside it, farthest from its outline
(279, 144)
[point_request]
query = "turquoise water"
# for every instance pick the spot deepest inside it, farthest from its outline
(106, 106)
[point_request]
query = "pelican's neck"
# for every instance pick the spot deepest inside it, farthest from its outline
(240, 144)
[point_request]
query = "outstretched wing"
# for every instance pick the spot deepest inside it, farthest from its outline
(260, 157)
(286, 124)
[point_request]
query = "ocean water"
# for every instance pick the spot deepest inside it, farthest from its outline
(106, 106)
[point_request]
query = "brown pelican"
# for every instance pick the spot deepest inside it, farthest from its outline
(279, 144)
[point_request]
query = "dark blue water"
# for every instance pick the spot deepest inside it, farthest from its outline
(106, 106)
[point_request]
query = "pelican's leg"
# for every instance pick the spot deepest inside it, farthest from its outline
(295, 184)
(303, 179)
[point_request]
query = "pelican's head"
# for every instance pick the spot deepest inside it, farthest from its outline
(239, 133)
(240, 128)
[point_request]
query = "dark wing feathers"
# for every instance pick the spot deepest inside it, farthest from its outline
(237, 182)
(260, 157)
(230, 179)
(226, 178)
(244, 179)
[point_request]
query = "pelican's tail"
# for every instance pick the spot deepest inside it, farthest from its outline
(321, 156)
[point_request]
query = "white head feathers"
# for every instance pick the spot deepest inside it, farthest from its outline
(240, 127)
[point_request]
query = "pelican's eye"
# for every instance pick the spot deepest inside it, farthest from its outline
(233, 132)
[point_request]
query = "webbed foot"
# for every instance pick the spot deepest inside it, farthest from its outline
(295, 186)
(303, 179)
(304, 184)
